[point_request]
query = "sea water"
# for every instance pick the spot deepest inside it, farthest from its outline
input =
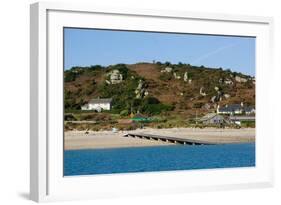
(157, 158)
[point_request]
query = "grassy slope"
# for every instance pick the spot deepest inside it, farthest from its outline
(89, 83)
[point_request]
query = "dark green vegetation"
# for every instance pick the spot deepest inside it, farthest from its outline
(168, 96)
(123, 94)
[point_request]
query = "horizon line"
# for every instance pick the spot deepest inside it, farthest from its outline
(204, 66)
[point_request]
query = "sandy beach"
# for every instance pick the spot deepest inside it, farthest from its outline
(108, 139)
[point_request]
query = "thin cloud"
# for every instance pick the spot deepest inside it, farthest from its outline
(207, 55)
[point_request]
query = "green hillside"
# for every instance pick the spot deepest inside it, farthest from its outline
(157, 89)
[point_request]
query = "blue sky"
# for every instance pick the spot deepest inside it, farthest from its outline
(85, 47)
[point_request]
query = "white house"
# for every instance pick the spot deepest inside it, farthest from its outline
(98, 104)
(250, 110)
(236, 109)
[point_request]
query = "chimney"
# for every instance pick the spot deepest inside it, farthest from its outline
(242, 104)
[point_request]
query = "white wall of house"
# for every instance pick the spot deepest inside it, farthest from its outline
(218, 112)
(253, 111)
(98, 106)
(237, 122)
(85, 107)
(238, 111)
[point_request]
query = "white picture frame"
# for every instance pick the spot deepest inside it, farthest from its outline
(46, 134)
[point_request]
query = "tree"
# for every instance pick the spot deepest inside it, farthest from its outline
(151, 100)
(167, 63)
(158, 63)
(95, 67)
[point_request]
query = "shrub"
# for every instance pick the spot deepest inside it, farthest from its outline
(72, 74)
(166, 76)
(155, 109)
(158, 63)
(126, 126)
(69, 117)
(69, 76)
(151, 100)
(167, 63)
(136, 102)
(198, 105)
(95, 67)
(124, 113)
(99, 117)
(122, 69)
(248, 124)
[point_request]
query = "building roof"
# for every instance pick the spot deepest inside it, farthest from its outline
(230, 108)
(100, 100)
(235, 107)
(249, 109)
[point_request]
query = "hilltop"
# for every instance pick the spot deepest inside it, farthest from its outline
(158, 88)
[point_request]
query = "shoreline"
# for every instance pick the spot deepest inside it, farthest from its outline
(78, 140)
(145, 146)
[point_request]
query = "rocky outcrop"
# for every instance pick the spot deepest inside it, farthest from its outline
(226, 81)
(218, 97)
(177, 76)
(214, 99)
(216, 88)
(141, 90)
(254, 81)
(202, 91)
(226, 96)
(207, 106)
(185, 77)
(167, 70)
(114, 77)
(240, 79)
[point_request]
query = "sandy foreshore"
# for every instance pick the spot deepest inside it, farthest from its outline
(108, 139)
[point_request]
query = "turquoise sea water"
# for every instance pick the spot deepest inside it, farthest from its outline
(158, 158)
